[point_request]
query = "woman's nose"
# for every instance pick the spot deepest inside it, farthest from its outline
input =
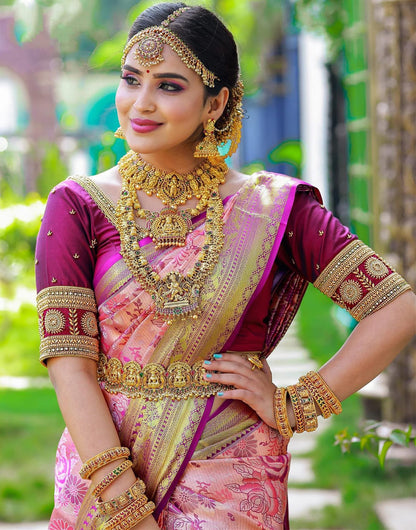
(145, 101)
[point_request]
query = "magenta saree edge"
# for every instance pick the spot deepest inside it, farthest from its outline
(205, 416)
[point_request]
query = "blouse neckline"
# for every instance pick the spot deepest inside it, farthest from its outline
(108, 208)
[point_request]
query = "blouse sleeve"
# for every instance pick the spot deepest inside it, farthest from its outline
(65, 258)
(320, 248)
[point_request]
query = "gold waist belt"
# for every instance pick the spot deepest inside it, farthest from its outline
(153, 381)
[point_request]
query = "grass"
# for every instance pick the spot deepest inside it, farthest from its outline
(357, 475)
(30, 427)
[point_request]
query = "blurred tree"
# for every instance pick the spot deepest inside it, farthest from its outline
(326, 18)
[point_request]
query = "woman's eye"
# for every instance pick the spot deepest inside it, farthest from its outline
(170, 87)
(130, 80)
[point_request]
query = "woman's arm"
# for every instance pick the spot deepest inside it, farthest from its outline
(89, 421)
(372, 345)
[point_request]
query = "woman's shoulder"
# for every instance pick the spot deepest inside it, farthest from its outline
(88, 193)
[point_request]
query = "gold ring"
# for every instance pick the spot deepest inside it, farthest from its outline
(255, 361)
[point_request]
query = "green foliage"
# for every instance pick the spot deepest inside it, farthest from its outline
(12, 185)
(17, 244)
(357, 475)
(19, 343)
(289, 152)
(323, 17)
(53, 170)
(371, 441)
(30, 427)
(19, 339)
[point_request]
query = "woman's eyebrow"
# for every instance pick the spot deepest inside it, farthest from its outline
(156, 76)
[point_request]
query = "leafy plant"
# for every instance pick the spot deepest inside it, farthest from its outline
(373, 442)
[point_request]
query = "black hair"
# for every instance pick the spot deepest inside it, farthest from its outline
(204, 33)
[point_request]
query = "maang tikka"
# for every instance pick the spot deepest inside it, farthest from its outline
(150, 42)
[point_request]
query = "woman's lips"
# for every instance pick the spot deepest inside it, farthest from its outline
(144, 126)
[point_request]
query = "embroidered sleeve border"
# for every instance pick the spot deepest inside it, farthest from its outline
(67, 322)
(74, 297)
(360, 281)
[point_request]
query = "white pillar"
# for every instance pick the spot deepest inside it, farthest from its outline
(314, 94)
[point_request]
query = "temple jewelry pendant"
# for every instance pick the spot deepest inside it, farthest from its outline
(169, 227)
(177, 297)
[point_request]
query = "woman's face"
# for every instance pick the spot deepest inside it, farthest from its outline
(161, 108)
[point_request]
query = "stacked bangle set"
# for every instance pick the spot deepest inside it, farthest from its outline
(126, 510)
(310, 389)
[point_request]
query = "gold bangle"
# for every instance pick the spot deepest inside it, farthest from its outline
(111, 477)
(117, 503)
(324, 408)
(297, 409)
(280, 412)
(112, 509)
(129, 516)
(323, 389)
(135, 518)
(308, 408)
(102, 459)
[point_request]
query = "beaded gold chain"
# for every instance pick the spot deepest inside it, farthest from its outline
(176, 295)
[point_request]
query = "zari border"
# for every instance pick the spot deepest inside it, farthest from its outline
(69, 345)
(380, 295)
(341, 266)
(98, 196)
(66, 296)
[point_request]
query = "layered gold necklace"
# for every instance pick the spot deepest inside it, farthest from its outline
(175, 295)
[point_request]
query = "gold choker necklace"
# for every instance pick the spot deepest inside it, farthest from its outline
(176, 295)
(172, 188)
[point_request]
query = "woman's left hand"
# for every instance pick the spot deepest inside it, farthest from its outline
(254, 387)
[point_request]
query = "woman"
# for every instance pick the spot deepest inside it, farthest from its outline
(194, 273)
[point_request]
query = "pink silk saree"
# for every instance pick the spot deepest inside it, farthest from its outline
(203, 471)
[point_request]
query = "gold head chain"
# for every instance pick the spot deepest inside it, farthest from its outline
(150, 42)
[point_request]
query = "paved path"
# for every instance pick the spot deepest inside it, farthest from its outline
(288, 363)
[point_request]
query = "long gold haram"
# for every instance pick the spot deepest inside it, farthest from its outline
(176, 295)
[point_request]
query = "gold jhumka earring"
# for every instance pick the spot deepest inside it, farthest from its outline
(119, 134)
(207, 147)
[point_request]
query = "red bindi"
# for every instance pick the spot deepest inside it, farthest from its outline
(148, 71)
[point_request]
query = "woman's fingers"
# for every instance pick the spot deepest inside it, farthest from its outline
(234, 363)
(253, 386)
